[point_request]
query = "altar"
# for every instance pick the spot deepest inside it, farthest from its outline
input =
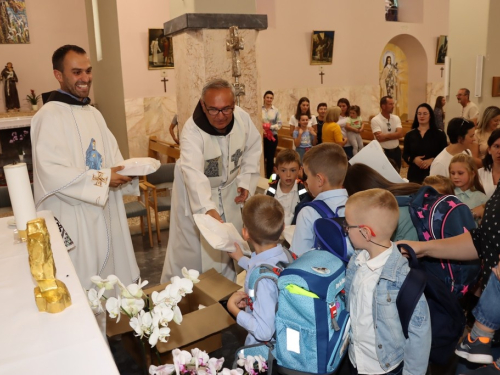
(69, 342)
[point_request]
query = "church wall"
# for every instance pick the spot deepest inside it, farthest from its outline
(283, 51)
(49, 29)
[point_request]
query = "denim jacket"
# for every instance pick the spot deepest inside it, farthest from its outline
(392, 347)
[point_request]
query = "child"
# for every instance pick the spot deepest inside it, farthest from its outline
(287, 188)
(356, 123)
(325, 166)
(304, 137)
(373, 279)
(443, 185)
(262, 226)
(468, 188)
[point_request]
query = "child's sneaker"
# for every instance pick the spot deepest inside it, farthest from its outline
(477, 351)
(491, 369)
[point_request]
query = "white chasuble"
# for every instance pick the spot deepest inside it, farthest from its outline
(207, 176)
(68, 142)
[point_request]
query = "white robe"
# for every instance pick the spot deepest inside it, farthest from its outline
(195, 193)
(94, 216)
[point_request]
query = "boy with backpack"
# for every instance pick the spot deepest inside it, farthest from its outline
(325, 166)
(263, 222)
(374, 277)
(286, 187)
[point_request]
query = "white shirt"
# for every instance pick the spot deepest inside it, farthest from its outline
(362, 349)
(312, 121)
(288, 201)
(470, 111)
(379, 124)
(441, 164)
(342, 123)
(486, 178)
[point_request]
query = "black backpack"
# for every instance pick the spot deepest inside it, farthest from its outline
(447, 317)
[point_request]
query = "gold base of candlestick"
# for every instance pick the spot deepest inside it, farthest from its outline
(53, 300)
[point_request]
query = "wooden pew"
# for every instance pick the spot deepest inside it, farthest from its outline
(156, 147)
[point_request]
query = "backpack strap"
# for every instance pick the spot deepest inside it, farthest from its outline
(264, 271)
(322, 209)
(411, 290)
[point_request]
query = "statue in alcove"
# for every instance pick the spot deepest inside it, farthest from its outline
(10, 89)
(389, 82)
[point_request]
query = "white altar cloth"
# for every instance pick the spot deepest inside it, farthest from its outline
(32, 342)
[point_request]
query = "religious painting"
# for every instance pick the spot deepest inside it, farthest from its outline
(13, 22)
(393, 78)
(160, 50)
(391, 10)
(495, 88)
(441, 49)
(322, 47)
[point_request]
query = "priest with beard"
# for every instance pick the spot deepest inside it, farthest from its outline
(218, 169)
(75, 158)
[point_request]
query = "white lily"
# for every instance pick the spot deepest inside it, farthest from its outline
(161, 370)
(113, 306)
(185, 285)
(177, 315)
(191, 275)
(108, 283)
(94, 298)
(132, 306)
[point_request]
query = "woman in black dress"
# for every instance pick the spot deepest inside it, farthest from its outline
(422, 144)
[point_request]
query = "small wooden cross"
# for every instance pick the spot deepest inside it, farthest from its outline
(442, 69)
(321, 74)
(164, 80)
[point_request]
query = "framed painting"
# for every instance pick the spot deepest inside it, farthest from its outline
(495, 90)
(322, 47)
(160, 50)
(13, 22)
(441, 49)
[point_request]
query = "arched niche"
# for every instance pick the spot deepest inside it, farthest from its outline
(416, 65)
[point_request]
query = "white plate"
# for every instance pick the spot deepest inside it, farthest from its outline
(11, 222)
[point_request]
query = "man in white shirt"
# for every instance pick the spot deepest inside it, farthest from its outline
(387, 129)
(469, 109)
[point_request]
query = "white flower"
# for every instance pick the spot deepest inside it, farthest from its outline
(185, 286)
(133, 290)
(159, 334)
(241, 359)
(163, 315)
(226, 371)
(161, 370)
(249, 364)
(191, 275)
(108, 283)
(132, 306)
(214, 364)
(113, 306)
(159, 298)
(94, 298)
(181, 358)
(142, 324)
(177, 315)
(200, 357)
(261, 362)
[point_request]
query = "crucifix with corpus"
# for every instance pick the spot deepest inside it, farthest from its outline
(321, 73)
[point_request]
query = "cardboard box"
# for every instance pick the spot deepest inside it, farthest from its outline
(199, 328)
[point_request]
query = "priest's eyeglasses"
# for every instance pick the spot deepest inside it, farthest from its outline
(215, 111)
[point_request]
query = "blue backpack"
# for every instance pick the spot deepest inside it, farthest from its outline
(312, 324)
(435, 217)
(447, 316)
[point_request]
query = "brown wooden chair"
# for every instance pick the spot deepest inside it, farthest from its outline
(157, 147)
(140, 208)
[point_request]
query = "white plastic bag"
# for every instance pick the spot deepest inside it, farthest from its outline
(221, 236)
(139, 166)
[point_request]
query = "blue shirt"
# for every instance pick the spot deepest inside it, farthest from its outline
(305, 140)
(260, 322)
(303, 238)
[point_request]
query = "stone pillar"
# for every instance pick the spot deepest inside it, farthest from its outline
(200, 55)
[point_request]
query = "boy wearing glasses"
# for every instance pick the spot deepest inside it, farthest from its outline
(373, 279)
(387, 129)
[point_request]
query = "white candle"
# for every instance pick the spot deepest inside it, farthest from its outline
(21, 197)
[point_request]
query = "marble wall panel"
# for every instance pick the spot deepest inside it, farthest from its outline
(434, 89)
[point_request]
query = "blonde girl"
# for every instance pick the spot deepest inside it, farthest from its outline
(468, 187)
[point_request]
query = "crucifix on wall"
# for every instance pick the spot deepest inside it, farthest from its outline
(164, 80)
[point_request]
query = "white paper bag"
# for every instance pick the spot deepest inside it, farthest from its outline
(221, 236)
(139, 166)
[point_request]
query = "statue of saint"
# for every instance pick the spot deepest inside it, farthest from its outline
(10, 90)
(389, 82)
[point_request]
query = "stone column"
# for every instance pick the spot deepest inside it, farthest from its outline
(200, 54)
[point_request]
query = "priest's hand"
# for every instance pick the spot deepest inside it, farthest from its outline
(242, 195)
(214, 214)
(117, 179)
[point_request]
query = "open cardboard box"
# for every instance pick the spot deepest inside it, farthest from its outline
(199, 328)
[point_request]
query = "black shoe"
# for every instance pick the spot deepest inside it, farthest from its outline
(475, 351)
(491, 369)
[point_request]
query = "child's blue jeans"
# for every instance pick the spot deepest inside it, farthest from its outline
(487, 310)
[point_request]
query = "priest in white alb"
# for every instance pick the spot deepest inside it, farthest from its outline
(218, 169)
(74, 173)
